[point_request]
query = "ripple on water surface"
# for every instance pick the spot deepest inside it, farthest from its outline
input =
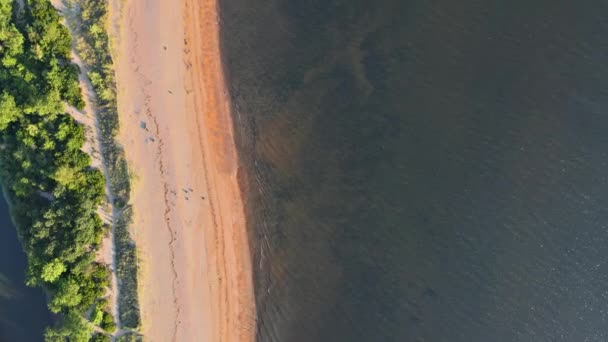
(23, 310)
(424, 170)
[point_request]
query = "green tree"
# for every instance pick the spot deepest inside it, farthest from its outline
(67, 295)
(108, 323)
(97, 315)
(132, 337)
(100, 338)
(52, 270)
(73, 329)
(65, 175)
(8, 110)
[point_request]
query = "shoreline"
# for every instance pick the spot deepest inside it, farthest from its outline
(51, 318)
(176, 126)
(236, 305)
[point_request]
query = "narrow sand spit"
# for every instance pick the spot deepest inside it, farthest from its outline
(177, 131)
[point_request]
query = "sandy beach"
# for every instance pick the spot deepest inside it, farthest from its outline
(195, 282)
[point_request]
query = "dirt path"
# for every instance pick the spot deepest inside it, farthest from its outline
(177, 131)
(93, 146)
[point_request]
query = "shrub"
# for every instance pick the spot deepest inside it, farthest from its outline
(100, 338)
(108, 323)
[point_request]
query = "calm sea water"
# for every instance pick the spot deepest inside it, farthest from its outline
(23, 310)
(424, 170)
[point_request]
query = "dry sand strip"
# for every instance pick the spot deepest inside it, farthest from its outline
(196, 282)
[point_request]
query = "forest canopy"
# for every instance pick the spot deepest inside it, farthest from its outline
(53, 190)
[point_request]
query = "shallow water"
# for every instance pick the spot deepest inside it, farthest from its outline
(424, 170)
(23, 310)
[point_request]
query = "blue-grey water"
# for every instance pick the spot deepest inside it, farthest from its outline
(424, 170)
(23, 310)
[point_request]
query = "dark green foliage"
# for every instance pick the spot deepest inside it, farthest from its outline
(131, 337)
(98, 312)
(73, 329)
(127, 271)
(47, 38)
(53, 191)
(107, 323)
(71, 91)
(100, 338)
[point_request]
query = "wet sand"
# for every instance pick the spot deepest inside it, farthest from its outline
(196, 282)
